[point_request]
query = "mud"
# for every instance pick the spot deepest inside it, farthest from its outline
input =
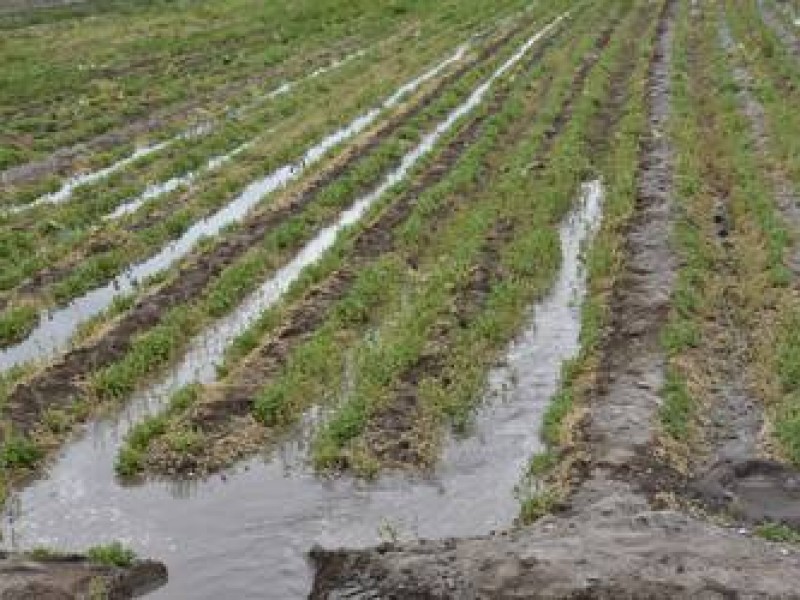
(633, 365)
(224, 413)
(72, 577)
(752, 491)
(614, 548)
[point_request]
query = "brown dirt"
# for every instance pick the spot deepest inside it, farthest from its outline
(74, 578)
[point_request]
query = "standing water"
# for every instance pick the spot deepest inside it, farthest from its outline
(245, 535)
(56, 328)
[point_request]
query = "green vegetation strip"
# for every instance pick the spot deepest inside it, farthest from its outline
(728, 285)
(154, 349)
(82, 257)
(69, 80)
(467, 340)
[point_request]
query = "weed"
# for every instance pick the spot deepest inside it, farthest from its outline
(113, 554)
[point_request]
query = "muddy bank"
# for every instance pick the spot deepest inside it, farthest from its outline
(67, 577)
(615, 548)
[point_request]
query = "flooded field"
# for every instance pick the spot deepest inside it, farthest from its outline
(440, 293)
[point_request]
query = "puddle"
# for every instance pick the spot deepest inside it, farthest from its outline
(245, 535)
(65, 192)
(57, 327)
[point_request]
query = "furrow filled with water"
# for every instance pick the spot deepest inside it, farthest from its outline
(246, 534)
(57, 327)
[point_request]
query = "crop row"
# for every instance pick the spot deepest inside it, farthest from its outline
(432, 262)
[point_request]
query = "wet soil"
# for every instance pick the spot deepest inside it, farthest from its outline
(261, 222)
(608, 542)
(72, 577)
(632, 371)
(615, 548)
(734, 479)
(60, 384)
(221, 413)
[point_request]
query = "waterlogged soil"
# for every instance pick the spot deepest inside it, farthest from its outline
(55, 273)
(73, 577)
(608, 542)
(391, 434)
(223, 414)
(59, 384)
(617, 547)
(245, 534)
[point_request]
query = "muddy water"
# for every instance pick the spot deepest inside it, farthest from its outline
(246, 535)
(65, 192)
(57, 327)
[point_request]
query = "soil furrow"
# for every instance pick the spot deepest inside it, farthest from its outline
(632, 370)
(50, 276)
(734, 478)
(65, 159)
